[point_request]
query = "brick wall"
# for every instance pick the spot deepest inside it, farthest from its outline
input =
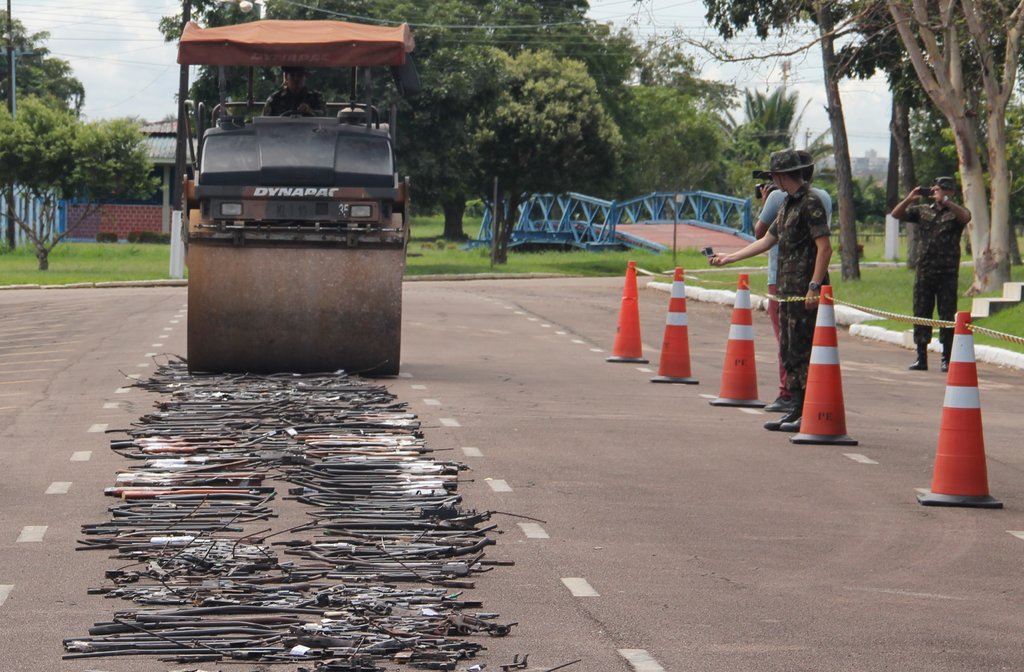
(119, 219)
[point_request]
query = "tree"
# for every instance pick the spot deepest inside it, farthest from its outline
(53, 156)
(943, 62)
(670, 144)
(730, 16)
(547, 132)
(39, 74)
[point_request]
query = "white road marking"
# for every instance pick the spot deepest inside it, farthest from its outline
(752, 411)
(134, 376)
(81, 456)
(142, 366)
(405, 375)
(59, 488)
(471, 451)
(98, 428)
(156, 345)
(432, 402)
(546, 326)
(561, 333)
(518, 312)
(498, 485)
(644, 369)
(857, 457)
(32, 533)
(151, 354)
(111, 405)
(122, 390)
(5, 590)
(164, 336)
(596, 350)
(22, 382)
(578, 341)
(1017, 533)
(640, 660)
(449, 422)
(709, 396)
(532, 319)
(580, 588)
(533, 531)
(168, 328)
(175, 321)
(418, 387)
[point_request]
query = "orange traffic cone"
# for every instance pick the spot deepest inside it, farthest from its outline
(739, 375)
(960, 477)
(627, 347)
(674, 366)
(824, 415)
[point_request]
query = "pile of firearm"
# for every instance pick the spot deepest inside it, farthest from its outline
(370, 571)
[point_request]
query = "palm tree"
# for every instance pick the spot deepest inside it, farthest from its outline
(772, 121)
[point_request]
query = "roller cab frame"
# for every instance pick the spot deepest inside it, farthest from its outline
(296, 226)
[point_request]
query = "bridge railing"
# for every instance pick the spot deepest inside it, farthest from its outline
(589, 222)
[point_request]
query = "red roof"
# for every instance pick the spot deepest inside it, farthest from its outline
(299, 43)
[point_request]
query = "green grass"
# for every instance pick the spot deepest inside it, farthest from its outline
(72, 263)
(888, 289)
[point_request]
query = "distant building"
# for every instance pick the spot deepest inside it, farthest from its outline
(152, 214)
(871, 165)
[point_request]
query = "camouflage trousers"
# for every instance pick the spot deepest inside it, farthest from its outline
(796, 335)
(931, 290)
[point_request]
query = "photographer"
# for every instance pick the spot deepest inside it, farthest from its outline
(940, 224)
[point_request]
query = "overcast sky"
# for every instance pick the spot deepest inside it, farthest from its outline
(128, 70)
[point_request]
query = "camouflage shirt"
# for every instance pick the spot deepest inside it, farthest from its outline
(283, 100)
(938, 237)
(801, 220)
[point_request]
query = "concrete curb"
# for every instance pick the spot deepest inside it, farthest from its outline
(184, 283)
(853, 319)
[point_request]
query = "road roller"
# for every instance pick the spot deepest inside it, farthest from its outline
(296, 226)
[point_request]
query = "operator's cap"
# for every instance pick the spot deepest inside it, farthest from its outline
(947, 183)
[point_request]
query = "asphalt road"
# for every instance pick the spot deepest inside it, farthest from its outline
(668, 532)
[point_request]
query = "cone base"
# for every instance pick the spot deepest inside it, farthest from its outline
(971, 501)
(824, 439)
(627, 360)
(675, 379)
(748, 403)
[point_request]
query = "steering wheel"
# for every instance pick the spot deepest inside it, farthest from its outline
(296, 113)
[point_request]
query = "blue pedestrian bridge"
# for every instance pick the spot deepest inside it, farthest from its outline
(591, 223)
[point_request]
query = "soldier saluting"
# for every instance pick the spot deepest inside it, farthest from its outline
(940, 224)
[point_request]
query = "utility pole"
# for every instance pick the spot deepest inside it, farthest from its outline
(179, 156)
(9, 229)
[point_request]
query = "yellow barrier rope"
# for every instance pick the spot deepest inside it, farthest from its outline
(897, 317)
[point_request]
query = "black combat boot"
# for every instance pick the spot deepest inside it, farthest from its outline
(791, 417)
(922, 359)
(946, 349)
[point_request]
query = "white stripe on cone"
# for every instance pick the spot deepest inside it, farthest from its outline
(958, 396)
(678, 290)
(825, 354)
(963, 349)
(741, 332)
(743, 299)
(826, 316)
(676, 320)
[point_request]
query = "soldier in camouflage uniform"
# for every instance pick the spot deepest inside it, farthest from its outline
(940, 224)
(293, 96)
(801, 231)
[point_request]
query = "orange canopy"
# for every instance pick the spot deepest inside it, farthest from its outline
(335, 44)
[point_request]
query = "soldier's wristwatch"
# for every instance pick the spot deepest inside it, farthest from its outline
(813, 286)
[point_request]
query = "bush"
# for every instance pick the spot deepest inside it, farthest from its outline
(148, 237)
(106, 237)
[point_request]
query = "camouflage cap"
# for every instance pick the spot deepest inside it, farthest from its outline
(947, 183)
(787, 161)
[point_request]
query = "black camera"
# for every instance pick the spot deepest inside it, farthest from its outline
(707, 252)
(925, 192)
(758, 189)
